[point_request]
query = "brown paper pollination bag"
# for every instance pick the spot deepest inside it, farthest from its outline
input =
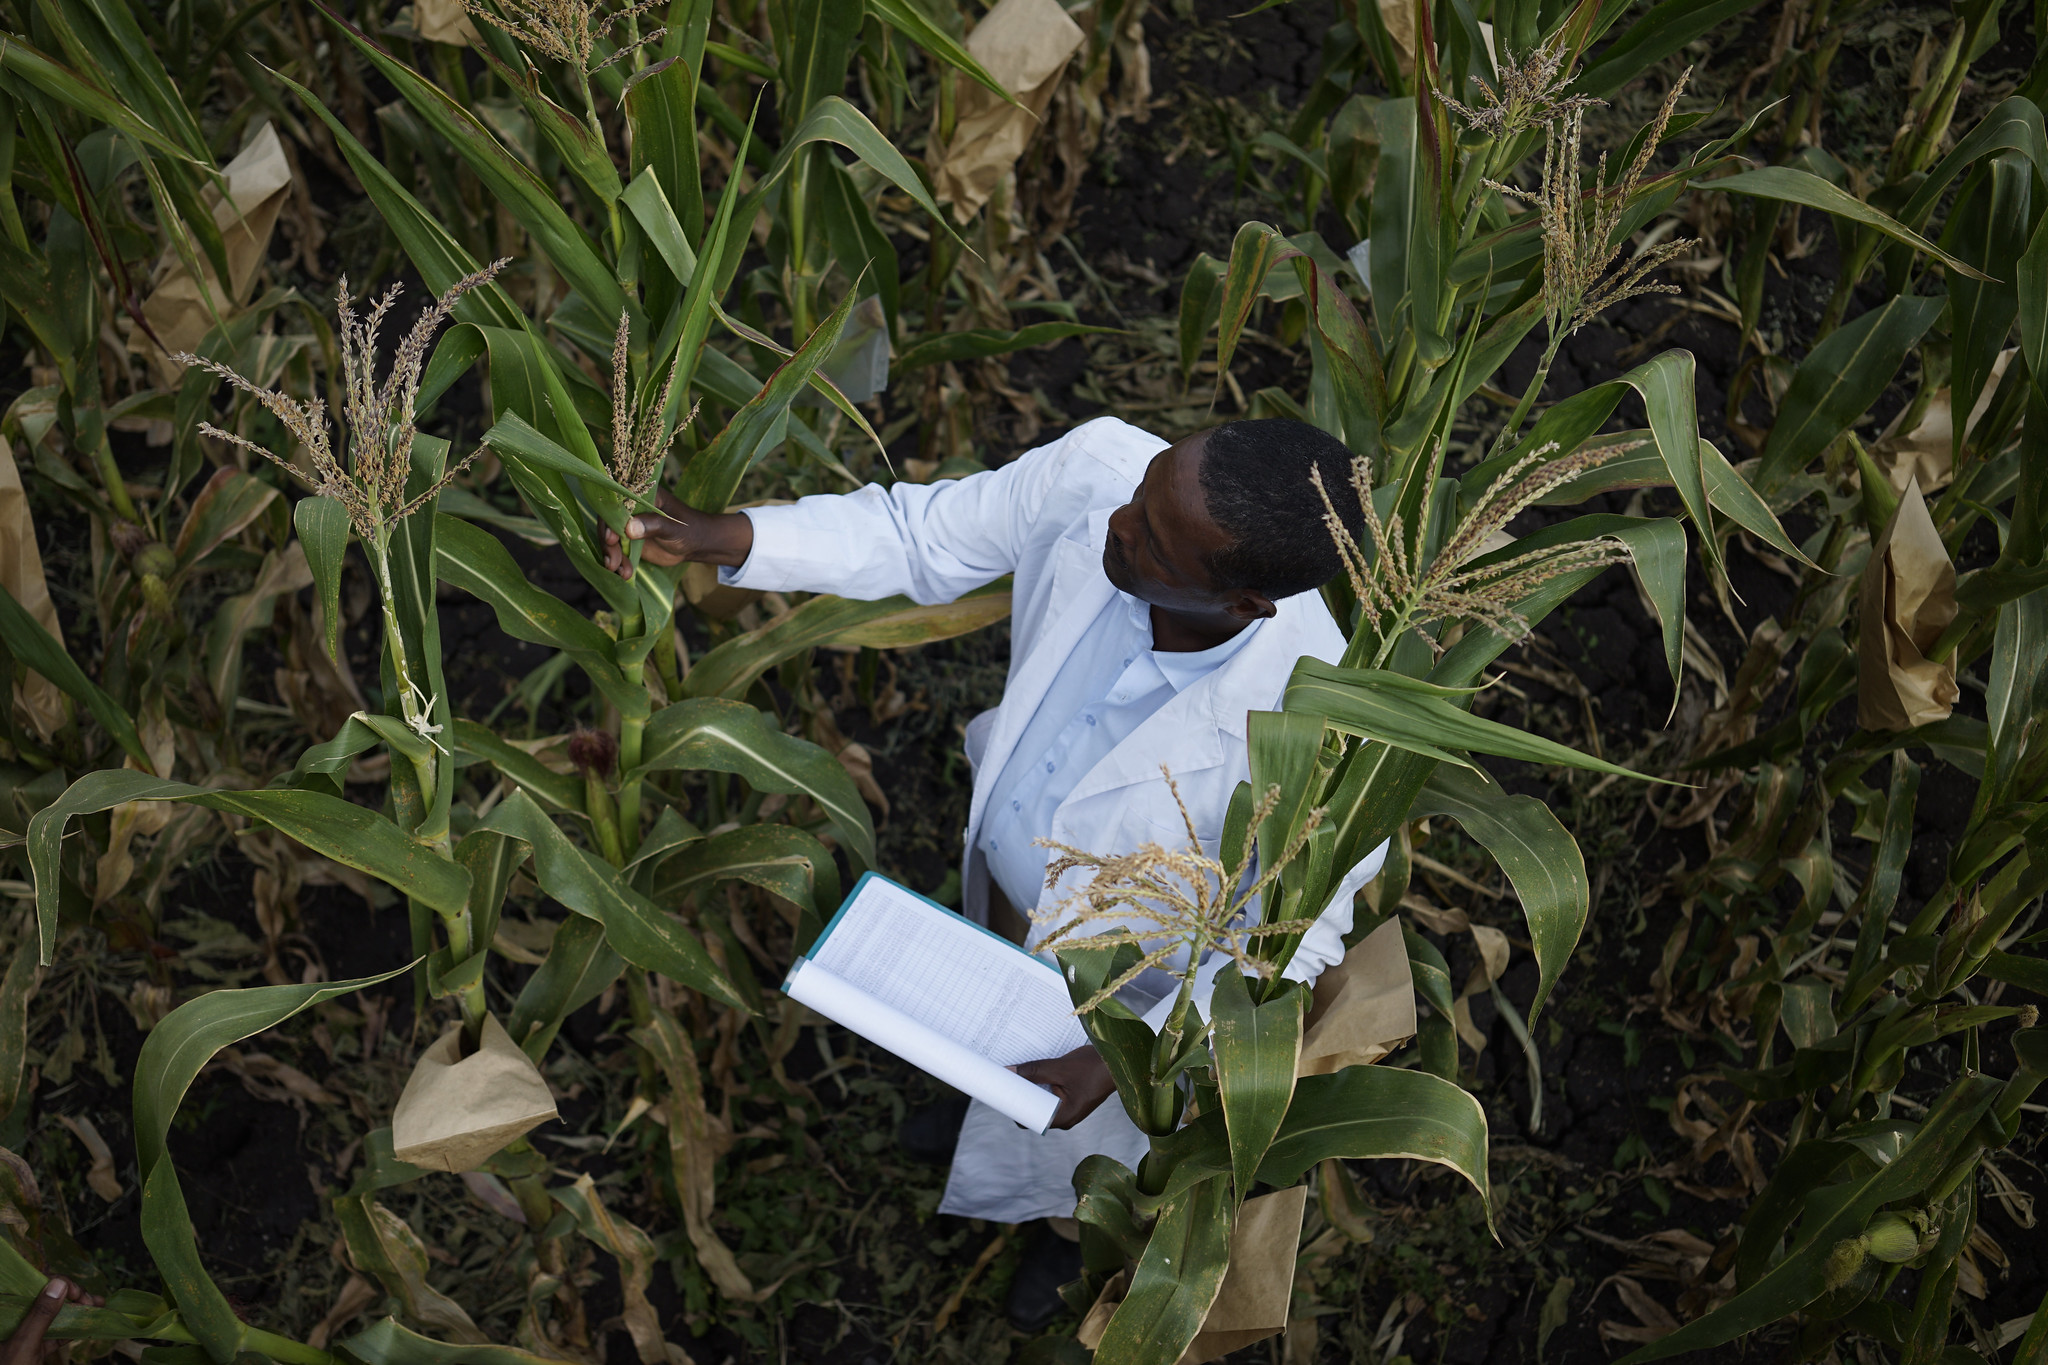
(1251, 1304)
(459, 1111)
(443, 21)
(1906, 599)
(1364, 1006)
(1024, 44)
(21, 573)
(257, 180)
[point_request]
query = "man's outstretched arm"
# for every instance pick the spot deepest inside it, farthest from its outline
(929, 542)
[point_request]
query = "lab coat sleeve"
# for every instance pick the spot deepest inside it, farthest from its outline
(930, 542)
(1321, 946)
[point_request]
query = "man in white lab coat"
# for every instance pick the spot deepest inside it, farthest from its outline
(1161, 593)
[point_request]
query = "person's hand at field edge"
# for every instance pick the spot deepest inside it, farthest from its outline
(25, 1346)
(681, 533)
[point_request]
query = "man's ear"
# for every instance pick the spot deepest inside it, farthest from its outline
(1248, 604)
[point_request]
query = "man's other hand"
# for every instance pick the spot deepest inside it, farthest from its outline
(1081, 1080)
(680, 533)
(25, 1346)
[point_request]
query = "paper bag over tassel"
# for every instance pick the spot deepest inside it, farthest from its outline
(1906, 599)
(1364, 1006)
(1251, 1304)
(457, 1112)
(1024, 44)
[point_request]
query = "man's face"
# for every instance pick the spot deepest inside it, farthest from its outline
(1159, 542)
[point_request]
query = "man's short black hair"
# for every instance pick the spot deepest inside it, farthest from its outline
(1256, 479)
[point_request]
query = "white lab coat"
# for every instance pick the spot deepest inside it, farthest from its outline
(1044, 518)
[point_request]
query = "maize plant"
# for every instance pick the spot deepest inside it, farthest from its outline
(644, 257)
(1867, 987)
(1484, 223)
(129, 239)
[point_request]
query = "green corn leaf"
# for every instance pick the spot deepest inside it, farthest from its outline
(891, 623)
(432, 248)
(1125, 1042)
(778, 858)
(1657, 548)
(105, 40)
(2031, 274)
(388, 1343)
(1107, 1199)
(475, 560)
(1839, 380)
(821, 384)
(328, 825)
(1419, 718)
(2019, 655)
(579, 965)
(323, 530)
(558, 792)
(1377, 1112)
(731, 737)
(2015, 125)
(1201, 305)
(708, 282)
(515, 438)
(714, 475)
(1540, 857)
(858, 243)
(36, 649)
(1350, 361)
(661, 107)
(634, 926)
(1949, 1133)
(1285, 749)
(909, 20)
(980, 343)
(490, 859)
(1666, 384)
(569, 135)
(1656, 34)
(1257, 1047)
(527, 381)
(2028, 973)
(172, 1056)
(412, 605)
(814, 44)
(505, 176)
(1392, 206)
(23, 975)
(1790, 185)
(1176, 1280)
(1436, 1041)
(359, 734)
(53, 78)
(1253, 253)
(832, 119)
(229, 502)
(665, 232)
(1990, 229)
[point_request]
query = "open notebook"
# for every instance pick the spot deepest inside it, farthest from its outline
(942, 993)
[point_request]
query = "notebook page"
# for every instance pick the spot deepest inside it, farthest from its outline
(1005, 1091)
(940, 970)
